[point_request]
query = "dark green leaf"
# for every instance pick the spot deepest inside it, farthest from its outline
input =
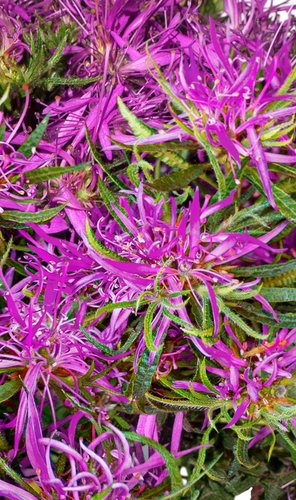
(9, 389)
(33, 140)
(38, 217)
(172, 467)
(145, 373)
(266, 271)
(99, 247)
(47, 173)
(176, 180)
(279, 294)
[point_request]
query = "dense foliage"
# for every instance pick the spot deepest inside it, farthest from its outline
(147, 246)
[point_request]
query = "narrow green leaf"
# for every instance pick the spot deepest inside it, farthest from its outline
(288, 82)
(184, 325)
(188, 487)
(57, 80)
(286, 320)
(99, 247)
(202, 403)
(237, 320)
(5, 96)
(108, 308)
(7, 470)
(38, 217)
(47, 173)
(5, 255)
(113, 178)
(176, 180)
(148, 333)
(170, 461)
(145, 373)
(242, 454)
(266, 271)
(33, 140)
(284, 202)
(112, 352)
(205, 440)
(204, 377)
(108, 198)
(279, 294)
(2, 131)
(139, 128)
(103, 494)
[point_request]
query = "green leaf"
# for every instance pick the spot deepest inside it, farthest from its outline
(5, 255)
(202, 403)
(286, 320)
(170, 461)
(108, 198)
(114, 178)
(284, 202)
(145, 373)
(38, 217)
(288, 82)
(205, 440)
(47, 173)
(142, 130)
(2, 131)
(266, 271)
(102, 494)
(237, 320)
(204, 377)
(113, 352)
(99, 247)
(176, 180)
(108, 308)
(4, 467)
(5, 96)
(279, 294)
(57, 80)
(9, 389)
(33, 140)
(188, 487)
(148, 333)
(139, 128)
(242, 454)
(187, 327)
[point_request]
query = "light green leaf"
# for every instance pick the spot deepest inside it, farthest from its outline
(139, 128)
(204, 377)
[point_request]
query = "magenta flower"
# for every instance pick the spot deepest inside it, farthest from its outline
(252, 376)
(177, 257)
